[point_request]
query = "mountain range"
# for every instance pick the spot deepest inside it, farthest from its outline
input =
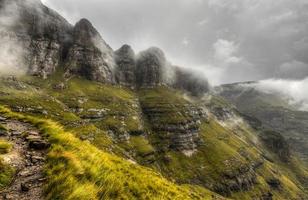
(85, 121)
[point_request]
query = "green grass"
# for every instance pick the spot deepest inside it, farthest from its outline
(77, 170)
(5, 146)
(6, 174)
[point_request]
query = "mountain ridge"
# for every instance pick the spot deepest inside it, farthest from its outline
(116, 117)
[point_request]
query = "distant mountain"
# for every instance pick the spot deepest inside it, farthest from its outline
(273, 111)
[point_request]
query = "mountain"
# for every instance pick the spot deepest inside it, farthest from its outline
(272, 111)
(88, 122)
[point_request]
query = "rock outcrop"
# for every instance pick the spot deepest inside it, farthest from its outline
(89, 55)
(180, 135)
(126, 66)
(151, 65)
(40, 31)
(277, 144)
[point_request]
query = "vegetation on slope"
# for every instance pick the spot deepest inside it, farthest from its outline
(77, 108)
(78, 170)
(6, 172)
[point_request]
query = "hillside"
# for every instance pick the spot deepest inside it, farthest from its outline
(273, 111)
(187, 140)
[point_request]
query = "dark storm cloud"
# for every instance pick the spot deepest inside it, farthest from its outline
(229, 40)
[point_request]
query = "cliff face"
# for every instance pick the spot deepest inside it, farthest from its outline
(150, 67)
(89, 55)
(39, 31)
(125, 66)
(50, 42)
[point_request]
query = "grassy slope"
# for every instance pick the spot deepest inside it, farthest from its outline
(123, 113)
(78, 170)
(224, 151)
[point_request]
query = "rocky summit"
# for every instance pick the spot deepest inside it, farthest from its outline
(87, 122)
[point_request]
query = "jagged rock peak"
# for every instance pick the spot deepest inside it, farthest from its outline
(151, 64)
(89, 55)
(125, 66)
(125, 51)
(84, 32)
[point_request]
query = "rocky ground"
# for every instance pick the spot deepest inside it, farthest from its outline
(27, 157)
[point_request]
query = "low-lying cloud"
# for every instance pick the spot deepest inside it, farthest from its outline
(295, 90)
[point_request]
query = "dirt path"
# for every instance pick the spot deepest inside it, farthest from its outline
(27, 157)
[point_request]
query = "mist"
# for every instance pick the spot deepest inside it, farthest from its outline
(12, 54)
(296, 91)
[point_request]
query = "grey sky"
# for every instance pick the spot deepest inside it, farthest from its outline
(230, 41)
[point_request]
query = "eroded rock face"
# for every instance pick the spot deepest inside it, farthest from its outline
(40, 31)
(126, 66)
(89, 55)
(151, 64)
(277, 144)
(191, 82)
(180, 135)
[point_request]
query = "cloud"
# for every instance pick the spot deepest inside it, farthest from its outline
(295, 90)
(293, 70)
(225, 50)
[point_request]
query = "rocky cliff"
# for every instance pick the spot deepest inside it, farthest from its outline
(106, 113)
(89, 55)
(125, 66)
(50, 43)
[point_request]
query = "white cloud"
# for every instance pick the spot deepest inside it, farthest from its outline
(225, 50)
(296, 90)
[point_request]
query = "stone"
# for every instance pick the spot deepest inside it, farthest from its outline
(25, 187)
(39, 144)
(36, 159)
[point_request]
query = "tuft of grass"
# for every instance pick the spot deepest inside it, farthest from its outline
(5, 147)
(6, 174)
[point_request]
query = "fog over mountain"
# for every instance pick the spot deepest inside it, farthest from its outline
(230, 41)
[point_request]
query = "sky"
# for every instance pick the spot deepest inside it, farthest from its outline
(230, 41)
